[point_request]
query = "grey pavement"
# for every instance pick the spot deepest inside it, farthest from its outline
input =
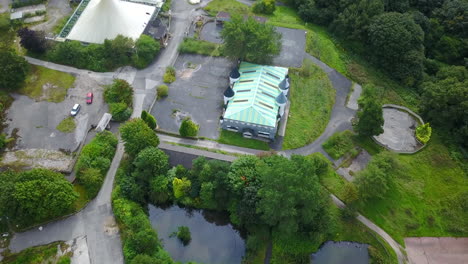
(4, 5)
(197, 93)
(358, 164)
(56, 10)
(434, 250)
(95, 221)
(399, 131)
(211, 32)
(354, 97)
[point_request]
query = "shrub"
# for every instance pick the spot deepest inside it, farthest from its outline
(183, 234)
(119, 92)
(149, 119)
(146, 49)
(188, 128)
(163, 91)
(119, 111)
(91, 179)
(267, 7)
(423, 133)
(338, 144)
(169, 75)
(195, 46)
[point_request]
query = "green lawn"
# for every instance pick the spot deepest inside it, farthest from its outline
(339, 144)
(236, 139)
(231, 6)
(67, 125)
(82, 199)
(312, 98)
(44, 84)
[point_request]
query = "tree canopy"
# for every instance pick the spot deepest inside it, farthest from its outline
(370, 114)
(137, 136)
(250, 40)
(13, 71)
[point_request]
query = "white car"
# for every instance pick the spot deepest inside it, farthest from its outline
(76, 108)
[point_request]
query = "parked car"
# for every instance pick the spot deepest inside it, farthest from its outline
(89, 98)
(76, 108)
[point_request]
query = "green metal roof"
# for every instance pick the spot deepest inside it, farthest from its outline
(256, 91)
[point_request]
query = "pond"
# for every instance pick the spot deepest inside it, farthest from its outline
(214, 239)
(341, 253)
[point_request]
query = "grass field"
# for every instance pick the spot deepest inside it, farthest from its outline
(195, 46)
(230, 6)
(67, 125)
(312, 98)
(44, 84)
(236, 139)
(82, 199)
(429, 197)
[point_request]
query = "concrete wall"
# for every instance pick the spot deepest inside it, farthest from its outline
(242, 126)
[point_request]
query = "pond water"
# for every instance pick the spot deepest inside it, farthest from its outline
(341, 253)
(214, 240)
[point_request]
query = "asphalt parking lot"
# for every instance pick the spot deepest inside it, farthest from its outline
(36, 122)
(292, 49)
(197, 93)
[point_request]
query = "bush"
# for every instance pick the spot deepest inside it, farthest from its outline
(149, 119)
(183, 234)
(188, 128)
(163, 91)
(170, 75)
(119, 111)
(267, 7)
(423, 133)
(119, 91)
(194, 46)
(21, 3)
(91, 179)
(339, 144)
(95, 158)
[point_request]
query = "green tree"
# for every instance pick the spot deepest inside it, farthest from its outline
(92, 180)
(120, 111)
(396, 44)
(13, 71)
(145, 259)
(188, 128)
(118, 51)
(146, 49)
(396, 5)
(370, 115)
(144, 242)
(445, 100)
(149, 119)
(453, 17)
(149, 163)
(31, 40)
(119, 91)
(40, 195)
(375, 180)
(181, 187)
(207, 195)
(137, 136)
(250, 40)
(159, 189)
(183, 233)
(291, 198)
(354, 21)
(267, 7)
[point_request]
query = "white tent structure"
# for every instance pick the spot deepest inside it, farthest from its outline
(105, 19)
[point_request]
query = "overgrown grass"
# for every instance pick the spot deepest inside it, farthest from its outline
(67, 125)
(202, 47)
(230, 6)
(44, 84)
(429, 197)
(312, 97)
(339, 144)
(236, 139)
(39, 254)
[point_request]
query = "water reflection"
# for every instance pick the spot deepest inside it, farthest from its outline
(214, 240)
(341, 253)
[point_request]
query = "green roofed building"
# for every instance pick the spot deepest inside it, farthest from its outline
(255, 100)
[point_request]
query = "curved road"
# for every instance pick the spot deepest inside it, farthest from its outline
(96, 220)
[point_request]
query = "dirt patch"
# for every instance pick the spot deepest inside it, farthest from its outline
(110, 226)
(38, 158)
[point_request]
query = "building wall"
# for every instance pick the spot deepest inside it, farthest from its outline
(229, 124)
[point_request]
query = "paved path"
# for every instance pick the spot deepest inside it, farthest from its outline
(393, 244)
(341, 116)
(435, 250)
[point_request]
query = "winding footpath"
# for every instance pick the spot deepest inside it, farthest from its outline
(96, 220)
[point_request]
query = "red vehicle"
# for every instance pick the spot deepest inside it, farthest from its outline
(89, 98)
